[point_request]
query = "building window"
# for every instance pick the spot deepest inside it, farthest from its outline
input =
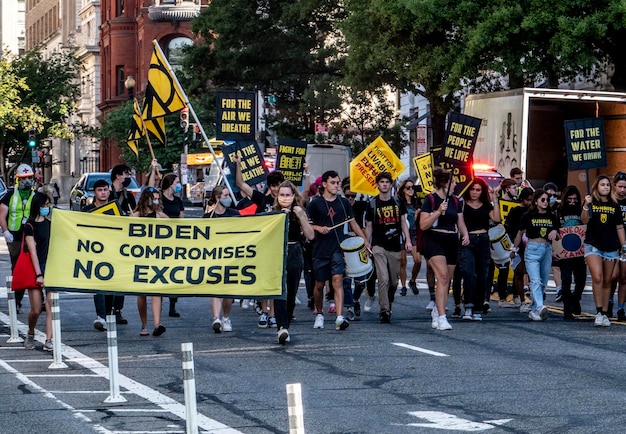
(119, 11)
(119, 79)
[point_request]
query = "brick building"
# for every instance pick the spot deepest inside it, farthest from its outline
(126, 34)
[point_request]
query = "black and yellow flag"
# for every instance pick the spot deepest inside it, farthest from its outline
(155, 126)
(162, 94)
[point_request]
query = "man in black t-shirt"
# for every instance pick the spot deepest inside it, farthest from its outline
(386, 223)
(328, 214)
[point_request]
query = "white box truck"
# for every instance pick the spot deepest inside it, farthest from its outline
(525, 128)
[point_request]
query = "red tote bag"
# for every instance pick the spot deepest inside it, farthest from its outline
(24, 272)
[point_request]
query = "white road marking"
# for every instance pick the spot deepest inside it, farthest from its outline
(160, 400)
(421, 350)
(446, 421)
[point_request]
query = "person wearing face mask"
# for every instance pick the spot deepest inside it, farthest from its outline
(569, 215)
(150, 206)
(219, 205)
(288, 200)
(37, 239)
(120, 179)
(173, 207)
(15, 208)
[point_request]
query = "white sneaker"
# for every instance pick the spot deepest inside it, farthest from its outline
(368, 304)
(517, 301)
(100, 324)
(598, 320)
(431, 305)
(217, 325)
(534, 315)
(606, 322)
(298, 302)
(283, 336)
(468, 314)
(434, 318)
(319, 321)
(341, 323)
(524, 307)
(443, 323)
(227, 326)
(477, 317)
(245, 304)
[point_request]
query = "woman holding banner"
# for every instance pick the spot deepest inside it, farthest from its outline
(150, 206)
(569, 215)
(604, 236)
(441, 219)
(288, 200)
(219, 205)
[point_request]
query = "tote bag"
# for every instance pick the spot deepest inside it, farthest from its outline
(24, 272)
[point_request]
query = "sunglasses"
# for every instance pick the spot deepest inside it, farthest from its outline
(553, 195)
(409, 187)
(542, 199)
(153, 190)
(350, 196)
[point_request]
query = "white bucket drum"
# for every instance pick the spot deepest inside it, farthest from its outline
(358, 263)
(500, 245)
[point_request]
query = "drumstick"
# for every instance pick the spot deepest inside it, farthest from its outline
(338, 224)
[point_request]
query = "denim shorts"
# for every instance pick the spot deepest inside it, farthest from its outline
(609, 256)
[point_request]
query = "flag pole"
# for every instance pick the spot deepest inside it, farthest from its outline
(143, 128)
(193, 114)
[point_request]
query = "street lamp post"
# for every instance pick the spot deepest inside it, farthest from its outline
(129, 84)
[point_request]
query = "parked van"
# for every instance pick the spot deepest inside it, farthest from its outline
(323, 157)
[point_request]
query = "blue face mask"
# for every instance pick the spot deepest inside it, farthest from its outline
(178, 188)
(552, 200)
(44, 211)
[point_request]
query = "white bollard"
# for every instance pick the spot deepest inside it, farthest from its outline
(55, 311)
(296, 412)
(114, 386)
(189, 386)
(15, 334)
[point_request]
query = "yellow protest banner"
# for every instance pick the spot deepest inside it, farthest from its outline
(224, 257)
(424, 169)
(376, 158)
(505, 207)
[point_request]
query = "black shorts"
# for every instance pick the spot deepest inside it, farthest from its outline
(325, 268)
(442, 244)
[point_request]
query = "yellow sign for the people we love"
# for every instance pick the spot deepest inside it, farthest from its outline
(378, 157)
(223, 257)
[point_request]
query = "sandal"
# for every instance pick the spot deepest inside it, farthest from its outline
(144, 332)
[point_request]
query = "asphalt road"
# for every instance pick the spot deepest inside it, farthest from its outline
(504, 374)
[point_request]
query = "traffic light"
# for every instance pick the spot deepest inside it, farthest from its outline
(32, 139)
(184, 119)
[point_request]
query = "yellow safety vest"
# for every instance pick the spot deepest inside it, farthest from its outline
(18, 210)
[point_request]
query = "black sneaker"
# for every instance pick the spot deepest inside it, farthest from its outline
(620, 315)
(357, 308)
(385, 317)
(413, 287)
(403, 291)
(576, 309)
(609, 312)
(119, 319)
(559, 296)
(486, 308)
(457, 312)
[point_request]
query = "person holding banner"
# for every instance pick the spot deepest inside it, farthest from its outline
(173, 208)
(474, 257)
(328, 214)
(406, 194)
(441, 219)
(288, 200)
(37, 239)
(541, 227)
(569, 214)
(150, 206)
(120, 179)
(603, 239)
(219, 205)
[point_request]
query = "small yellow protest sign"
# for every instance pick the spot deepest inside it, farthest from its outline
(505, 208)
(376, 158)
(424, 169)
(225, 257)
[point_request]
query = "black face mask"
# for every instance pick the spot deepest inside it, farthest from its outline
(126, 182)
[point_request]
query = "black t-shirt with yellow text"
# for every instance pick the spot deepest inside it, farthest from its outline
(386, 217)
(539, 225)
(601, 229)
